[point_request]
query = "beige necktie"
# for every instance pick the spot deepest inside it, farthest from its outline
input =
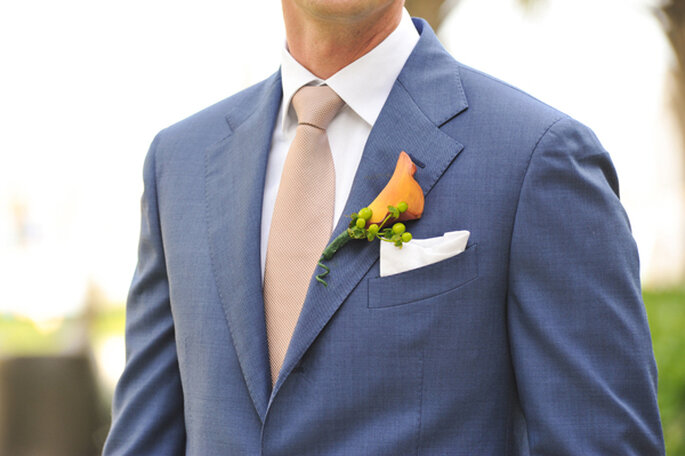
(302, 219)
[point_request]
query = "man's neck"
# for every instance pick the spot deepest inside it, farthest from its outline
(326, 44)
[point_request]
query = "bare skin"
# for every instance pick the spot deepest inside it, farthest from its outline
(327, 35)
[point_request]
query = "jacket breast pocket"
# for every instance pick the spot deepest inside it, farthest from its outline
(424, 282)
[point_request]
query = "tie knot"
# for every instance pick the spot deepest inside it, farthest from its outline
(316, 106)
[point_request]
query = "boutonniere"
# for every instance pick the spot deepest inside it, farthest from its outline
(401, 200)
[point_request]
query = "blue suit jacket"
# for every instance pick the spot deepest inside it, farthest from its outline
(532, 341)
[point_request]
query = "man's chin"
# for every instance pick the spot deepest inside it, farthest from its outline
(345, 11)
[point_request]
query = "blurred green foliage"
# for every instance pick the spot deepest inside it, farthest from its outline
(22, 337)
(666, 313)
(665, 309)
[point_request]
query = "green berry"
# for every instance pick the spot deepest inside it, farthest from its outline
(402, 206)
(366, 213)
(361, 223)
(398, 228)
(373, 229)
(406, 237)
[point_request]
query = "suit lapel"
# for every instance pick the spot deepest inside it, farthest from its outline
(419, 103)
(235, 173)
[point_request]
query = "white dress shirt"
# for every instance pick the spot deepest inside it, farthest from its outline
(364, 85)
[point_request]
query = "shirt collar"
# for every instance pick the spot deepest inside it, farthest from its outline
(364, 84)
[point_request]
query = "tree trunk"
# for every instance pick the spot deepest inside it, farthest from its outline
(672, 17)
(430, 10)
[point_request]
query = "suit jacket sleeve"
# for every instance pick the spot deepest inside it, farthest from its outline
(148, 401)
(580, 342)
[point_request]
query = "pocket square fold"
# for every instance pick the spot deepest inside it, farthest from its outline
(421, 252)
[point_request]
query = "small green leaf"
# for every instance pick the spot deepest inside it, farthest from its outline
(357, 233)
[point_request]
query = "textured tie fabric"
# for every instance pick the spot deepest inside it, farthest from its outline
(302, 220)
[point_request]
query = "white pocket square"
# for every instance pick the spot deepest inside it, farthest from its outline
(421, 252)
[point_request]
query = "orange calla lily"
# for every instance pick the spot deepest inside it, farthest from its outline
(401, 187)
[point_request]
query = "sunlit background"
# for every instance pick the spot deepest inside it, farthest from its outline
(85, 85)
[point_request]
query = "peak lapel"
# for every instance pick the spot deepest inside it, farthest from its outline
(417, 105)
(235, 173)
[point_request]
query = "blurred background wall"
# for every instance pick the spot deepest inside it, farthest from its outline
(85, 86)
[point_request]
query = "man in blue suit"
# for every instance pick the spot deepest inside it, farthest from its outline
(531, 341)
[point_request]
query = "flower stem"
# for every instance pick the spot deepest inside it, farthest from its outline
(342, 239)
(319, 277)
(387, 217)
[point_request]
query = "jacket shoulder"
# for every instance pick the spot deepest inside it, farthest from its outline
(488, 94)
